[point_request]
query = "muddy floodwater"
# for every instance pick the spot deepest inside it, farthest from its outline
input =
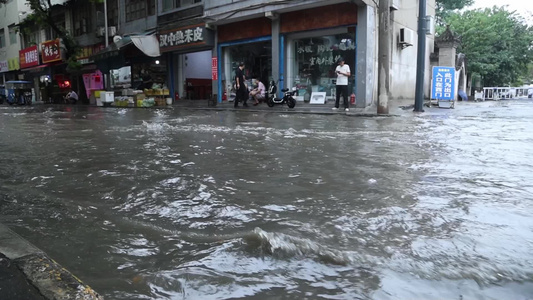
(207, 204)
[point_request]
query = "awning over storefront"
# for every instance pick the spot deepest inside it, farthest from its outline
(112, 50)
(112, 57)
(148, 44)
(36, 68)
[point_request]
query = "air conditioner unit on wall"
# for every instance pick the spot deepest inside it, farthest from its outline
(430, 25)
(407, 37)
(111, 31)
(394, 5)
(100, 31)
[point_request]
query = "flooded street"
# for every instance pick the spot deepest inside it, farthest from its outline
(205, 204)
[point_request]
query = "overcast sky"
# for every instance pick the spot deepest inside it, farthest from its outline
(524, 7)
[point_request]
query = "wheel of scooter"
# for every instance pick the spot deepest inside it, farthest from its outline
(291, 103)
(270, 102)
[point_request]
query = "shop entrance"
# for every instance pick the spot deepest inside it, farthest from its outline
(197, 74)
(257, 57)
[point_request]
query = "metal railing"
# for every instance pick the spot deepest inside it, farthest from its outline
(499, 93)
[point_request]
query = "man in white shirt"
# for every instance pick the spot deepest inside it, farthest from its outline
(343, 72)
(258, 93)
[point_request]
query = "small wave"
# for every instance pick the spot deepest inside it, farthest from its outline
(284, 246)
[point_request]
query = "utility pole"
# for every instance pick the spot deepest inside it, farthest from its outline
(421, 57)
(106, 37)
(384, 56)
(105, 24)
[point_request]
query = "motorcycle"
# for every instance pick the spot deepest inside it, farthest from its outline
(19, 92)
(287, 96)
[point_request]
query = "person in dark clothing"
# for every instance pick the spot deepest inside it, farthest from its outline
(241, 92)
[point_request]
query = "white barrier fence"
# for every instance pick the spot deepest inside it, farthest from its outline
(499, 93)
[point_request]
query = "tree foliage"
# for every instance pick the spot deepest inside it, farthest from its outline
(445, 7)
(498, 44)
(42, 16)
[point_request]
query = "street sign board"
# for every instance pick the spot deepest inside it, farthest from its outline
(443, 83)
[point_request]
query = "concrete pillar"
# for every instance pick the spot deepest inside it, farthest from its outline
(447, 55)
(384, 56)
(276, 72)
(366, 40)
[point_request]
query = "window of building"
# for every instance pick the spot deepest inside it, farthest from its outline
(112, 12)
(315, 60)
(173, 4)
(257, 58)
(12, 35)
(50, 34)
(2, 38)
(138, 9)
(82, 18)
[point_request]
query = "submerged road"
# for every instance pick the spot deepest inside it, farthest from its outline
(186, 204)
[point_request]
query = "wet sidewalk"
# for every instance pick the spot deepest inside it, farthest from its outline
(27, 273)
(301, 107)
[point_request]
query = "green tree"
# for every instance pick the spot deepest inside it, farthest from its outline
(498, 44)
(445, 7)
(42, 15)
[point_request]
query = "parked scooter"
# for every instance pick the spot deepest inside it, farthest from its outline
(287, 96)
(19, 92)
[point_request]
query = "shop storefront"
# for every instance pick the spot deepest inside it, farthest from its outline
(312, 58)
(313, 45)
(309, 47)
(238, 42)
(9, 70)
(188, 53)
(134, 66)
(88, 79)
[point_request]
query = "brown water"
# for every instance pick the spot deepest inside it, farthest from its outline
(184, 204)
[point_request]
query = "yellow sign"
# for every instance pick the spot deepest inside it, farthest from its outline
(13, 64)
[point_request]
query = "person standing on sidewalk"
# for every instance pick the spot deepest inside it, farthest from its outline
(241, 92)
(343, 72)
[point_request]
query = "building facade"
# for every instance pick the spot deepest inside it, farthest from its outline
(199, 44)
(12, 13)
(297, 44)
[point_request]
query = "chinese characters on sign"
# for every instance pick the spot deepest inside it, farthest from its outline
(4, 67)
(324, 53)
(214, 68)
(13, 64)
(443, 83)
(181, 37)
(29, 57)
(50, 51)
(86, 52)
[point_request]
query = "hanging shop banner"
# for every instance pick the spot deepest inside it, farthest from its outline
(186, 38)
(50, 51)
(29, 57)
(87, 51)
(4, 67)
(13, 64)
(443, 83)
(214, 68)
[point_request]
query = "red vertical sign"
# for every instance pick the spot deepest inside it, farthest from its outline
(214, 68)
